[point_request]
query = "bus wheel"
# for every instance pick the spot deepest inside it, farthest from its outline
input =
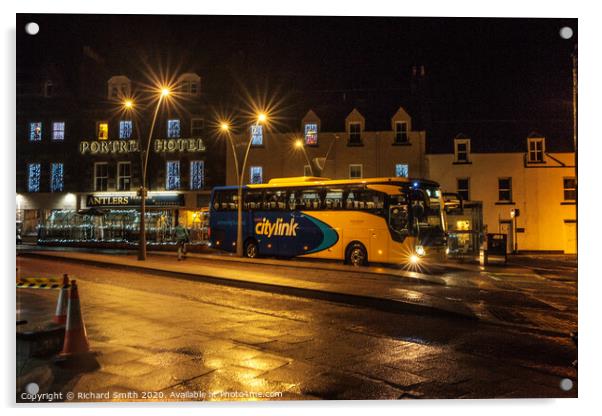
(251, 249)
(356, 255)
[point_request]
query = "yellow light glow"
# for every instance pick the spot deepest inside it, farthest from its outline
(128, 104)
(261, 117)
(414, 259)
(298, 144)
(165, 92)
(224, 126)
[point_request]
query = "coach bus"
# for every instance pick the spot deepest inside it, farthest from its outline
(380, 220)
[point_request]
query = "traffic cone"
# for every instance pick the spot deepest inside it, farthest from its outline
(76, 338)
(60, 315)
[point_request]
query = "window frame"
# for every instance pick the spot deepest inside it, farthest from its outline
(461, 190)
(251, 174)
(536, 140)
(122, 123)
(120, 177)
(192, 128)
(202, 185)
(401, 136)
(500, 189)
(39, 179)
(355, 165)
(566, 189)
(62, 182)
(54, 131)
(407, 165)
(457, 143)
(179, 177)
(254, 135)
(305, 133)
(351, 134)
(96, 177)
(31, 131)
(169, 135)
(98, 124)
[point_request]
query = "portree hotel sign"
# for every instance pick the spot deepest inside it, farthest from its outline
(95, 147)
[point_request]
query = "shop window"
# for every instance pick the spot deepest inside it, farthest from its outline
(402, 170)
(33, 177)
(173, 129)
(311, 134)
(505, 189)
(58, 130)
(124, 176)
(355, 134)
(103, 131)
(256, 174)
(197, 126)
(570, 189)
(463, 188)
(536, 150)
(125, 129)
(401, 132)
(35, 131)
(173, 175)
(257, 135)
(197, 174)
(356, 171)
(101, 176)
(461, 150)
(56, 177)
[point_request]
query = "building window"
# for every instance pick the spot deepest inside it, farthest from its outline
(193, 88)
(307, 170)
(356, 171)
(58, 130)
(402, 170)
(124, 176)
(463, 186)
(56, 177)
(103, 131)
(401, 132)
(173, 129)
(173, 175)
(48, 88)
(257, 135)
(196, 127)
(101, 176)
(125, 129)
(311, 134)
(33, 177)
(505, 189)
(355, 135)
(570, 189)
(35, 131)
(114, 92)
(536, 150)
(256, 174)
(461, 150)
(197, 174)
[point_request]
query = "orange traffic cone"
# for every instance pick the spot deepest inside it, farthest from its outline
(60, 315)
(76, 339)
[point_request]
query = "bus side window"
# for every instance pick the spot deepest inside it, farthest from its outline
(254, 200)
(333, 199)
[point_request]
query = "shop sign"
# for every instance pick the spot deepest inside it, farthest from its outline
(179, 145)
(95, 147)
(171, 200)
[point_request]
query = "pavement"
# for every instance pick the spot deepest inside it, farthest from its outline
(186, 339)
(512, 295)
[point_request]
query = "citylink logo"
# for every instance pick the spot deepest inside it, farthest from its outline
(279, 228)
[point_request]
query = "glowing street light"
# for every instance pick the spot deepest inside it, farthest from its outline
(128, 104)
(300, 145)
(224, 126)
(165, 92)
(261, 117)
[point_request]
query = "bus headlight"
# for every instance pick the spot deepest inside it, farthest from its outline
(420, 251)
(414, 259)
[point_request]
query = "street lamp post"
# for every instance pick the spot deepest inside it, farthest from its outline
(143, 191)
(299, 145)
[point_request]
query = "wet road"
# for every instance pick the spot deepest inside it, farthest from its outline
(175, 336)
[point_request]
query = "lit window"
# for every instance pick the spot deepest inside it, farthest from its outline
(464, 188)
(461, 150)
(101, 176)
(570, 189)
(536, 150)
(256, 174)
(124, 176)
(33, 177)
(356, 171)
(401, 170)
(58, 130)
(401, 132)
(173, 175)
(505, 189)
(311, 134)
(103, 131)
(56, 177)
(196, 127)
(355, 135)
(197, 174)
(173, 129)
(257, 135)
(35, 131)
(125, 129)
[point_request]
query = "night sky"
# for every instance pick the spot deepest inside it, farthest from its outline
(484, 75)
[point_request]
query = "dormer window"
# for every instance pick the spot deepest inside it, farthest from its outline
(355, 133)
(401, 132)
(189, 84)
(461, 150)
(536, 149)
(311, 134)
(48, 88)
(119, 87)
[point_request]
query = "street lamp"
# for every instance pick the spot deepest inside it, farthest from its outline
(164, 92)
(240, 175)
(299, 145)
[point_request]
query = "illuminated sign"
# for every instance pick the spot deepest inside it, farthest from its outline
(170, 200)
(108, 147)
(179, 145)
